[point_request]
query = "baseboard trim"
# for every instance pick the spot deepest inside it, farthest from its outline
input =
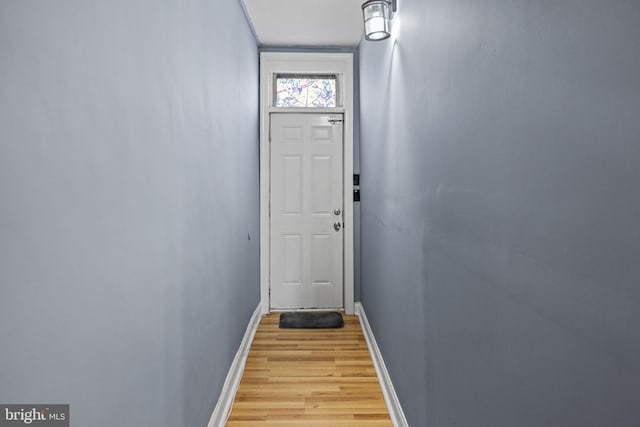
(231, 383)
(390, 397)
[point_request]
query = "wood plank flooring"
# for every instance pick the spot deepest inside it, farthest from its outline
(302, 377)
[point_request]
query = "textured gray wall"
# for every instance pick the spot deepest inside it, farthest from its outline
(128, 195)
(500, 159)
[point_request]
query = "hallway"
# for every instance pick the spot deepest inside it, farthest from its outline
(493, 235)
(302, 377)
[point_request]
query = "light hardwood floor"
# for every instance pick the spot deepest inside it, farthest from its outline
(302, 377)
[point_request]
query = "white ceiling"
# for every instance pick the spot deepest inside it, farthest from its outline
(306, 22)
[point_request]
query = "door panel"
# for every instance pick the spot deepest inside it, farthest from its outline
(292, 245)
(306, 267)
(320, 185)
(292, 166)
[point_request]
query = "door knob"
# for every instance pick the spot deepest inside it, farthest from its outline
(337, 225)
(337, 211)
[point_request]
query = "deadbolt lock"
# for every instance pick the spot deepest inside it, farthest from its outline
(337, 211)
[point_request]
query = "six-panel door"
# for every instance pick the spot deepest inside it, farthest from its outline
(306, 211)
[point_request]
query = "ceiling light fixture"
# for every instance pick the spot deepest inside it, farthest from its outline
(376, 15)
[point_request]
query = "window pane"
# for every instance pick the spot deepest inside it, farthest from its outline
(306, 91)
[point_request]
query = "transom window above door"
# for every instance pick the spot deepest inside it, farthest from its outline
(306, 91)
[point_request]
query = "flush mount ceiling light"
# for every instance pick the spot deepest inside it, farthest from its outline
(376, 15)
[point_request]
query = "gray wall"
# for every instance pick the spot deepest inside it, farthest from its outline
(128, 205)
(500, 162)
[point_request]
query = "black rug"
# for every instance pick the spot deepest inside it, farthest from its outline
(311, 320)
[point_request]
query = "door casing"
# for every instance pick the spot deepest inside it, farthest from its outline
(340, 64)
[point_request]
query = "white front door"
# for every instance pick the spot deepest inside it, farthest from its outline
(306, 225)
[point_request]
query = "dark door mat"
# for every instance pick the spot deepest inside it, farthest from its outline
(311, 320)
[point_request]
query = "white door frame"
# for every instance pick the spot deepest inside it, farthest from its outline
(340, 64)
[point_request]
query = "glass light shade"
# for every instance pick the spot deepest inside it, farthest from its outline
(376, 16)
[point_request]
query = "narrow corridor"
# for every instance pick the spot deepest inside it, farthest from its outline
(305, 377)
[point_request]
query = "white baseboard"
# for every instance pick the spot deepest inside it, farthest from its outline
(390, 397)
(231, 383)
